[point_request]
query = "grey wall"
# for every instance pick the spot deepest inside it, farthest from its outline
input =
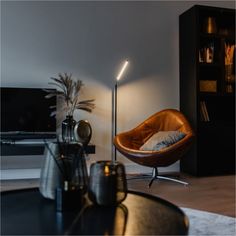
(90, 40)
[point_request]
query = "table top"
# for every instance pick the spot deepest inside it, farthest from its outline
(26, 212)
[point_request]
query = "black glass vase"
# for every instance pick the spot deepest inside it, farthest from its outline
(68, 126)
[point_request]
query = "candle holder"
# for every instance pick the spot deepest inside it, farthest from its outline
(107, 183)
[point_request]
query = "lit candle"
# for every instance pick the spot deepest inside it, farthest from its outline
(106, 170)
(108, 181)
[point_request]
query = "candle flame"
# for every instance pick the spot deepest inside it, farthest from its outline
(106, 170)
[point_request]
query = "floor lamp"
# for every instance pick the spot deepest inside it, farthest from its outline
(114, 109)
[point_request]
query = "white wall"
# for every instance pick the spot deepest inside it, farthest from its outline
(39, 39)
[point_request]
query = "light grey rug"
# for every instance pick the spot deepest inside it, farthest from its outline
(207, 223)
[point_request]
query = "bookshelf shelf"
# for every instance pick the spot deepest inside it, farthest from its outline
(204, 64)
(207, 88)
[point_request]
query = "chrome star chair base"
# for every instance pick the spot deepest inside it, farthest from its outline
(155, 176)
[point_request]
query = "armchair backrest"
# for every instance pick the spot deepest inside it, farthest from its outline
(165, 120)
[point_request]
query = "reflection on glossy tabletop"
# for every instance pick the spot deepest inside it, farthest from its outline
(154, 217)
(103, 221)
(26, 212)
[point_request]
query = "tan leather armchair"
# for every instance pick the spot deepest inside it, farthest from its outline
(129, 143)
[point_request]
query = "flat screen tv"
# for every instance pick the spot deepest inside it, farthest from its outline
(25, 113)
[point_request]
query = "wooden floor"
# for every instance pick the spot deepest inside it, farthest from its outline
(213, 194)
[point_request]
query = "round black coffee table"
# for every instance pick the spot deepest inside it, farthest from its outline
(26, 212)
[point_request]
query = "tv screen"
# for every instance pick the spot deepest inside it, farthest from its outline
(26, 111)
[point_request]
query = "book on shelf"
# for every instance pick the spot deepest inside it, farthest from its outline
(202, 112)
(206, 111)
(204, 116)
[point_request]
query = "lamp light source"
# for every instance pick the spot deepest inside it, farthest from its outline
(114, 108)
(122, 70)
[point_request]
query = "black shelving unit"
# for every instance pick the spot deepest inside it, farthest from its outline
(207, 89)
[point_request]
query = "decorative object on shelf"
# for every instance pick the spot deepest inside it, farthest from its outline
(67, 127)
(229, 53)
(107, 183)
(68, 96)
(229, 88)
(83, 132)
(114, 108)
(64, 168)
(227, 31)
(208, 86)
(229, 67)
(209, 25)
(206, 54)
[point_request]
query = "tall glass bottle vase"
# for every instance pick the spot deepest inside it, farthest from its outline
(68, 126)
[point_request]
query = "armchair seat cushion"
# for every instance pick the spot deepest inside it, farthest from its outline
(162, 139)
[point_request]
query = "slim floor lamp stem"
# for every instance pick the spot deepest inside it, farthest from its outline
(114, 110)
(114, 120)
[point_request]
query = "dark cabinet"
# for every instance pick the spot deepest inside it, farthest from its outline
(207, 88)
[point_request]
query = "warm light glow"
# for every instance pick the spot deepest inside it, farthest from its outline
(122, 70)
(106, 170)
